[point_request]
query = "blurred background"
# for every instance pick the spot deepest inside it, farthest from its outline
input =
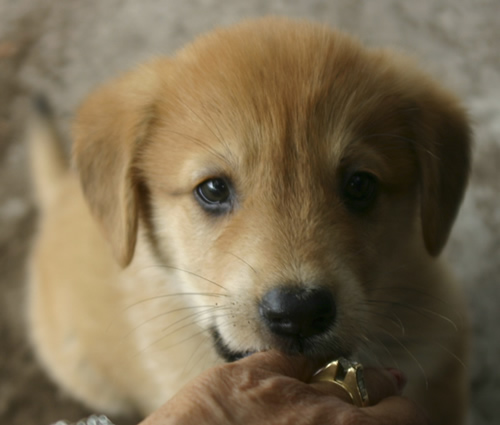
(63, 48)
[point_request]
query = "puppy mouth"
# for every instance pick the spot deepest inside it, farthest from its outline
(224, 351)
(319, 352)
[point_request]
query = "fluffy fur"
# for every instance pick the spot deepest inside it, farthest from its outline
(136, 286)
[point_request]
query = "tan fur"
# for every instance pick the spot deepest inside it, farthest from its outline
(120, 311)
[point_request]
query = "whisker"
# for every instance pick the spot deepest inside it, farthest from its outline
(173, 345)
(381, 344)
(400, 322)
(197, 322)
(241, 259)
(159, 297)
(188, 272)
(395, 319)
(194, 315)
(422, 311)
(201, 118)
(408, 351)
(193, 354)
(166, 313)
(452, 354)
(440, 316)
(176, 294)
(411, 289)
(218, 136)
(198, 142)
(413, 142)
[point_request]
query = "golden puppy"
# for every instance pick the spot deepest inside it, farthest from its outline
(274, 185)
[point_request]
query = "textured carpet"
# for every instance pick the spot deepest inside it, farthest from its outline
(64, 48)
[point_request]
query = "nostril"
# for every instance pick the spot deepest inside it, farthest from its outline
(298, 312)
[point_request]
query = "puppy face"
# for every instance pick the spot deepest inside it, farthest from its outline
(286, 173)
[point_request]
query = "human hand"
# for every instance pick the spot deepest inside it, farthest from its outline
(271, 388)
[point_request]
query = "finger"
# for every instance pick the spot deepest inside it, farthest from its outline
(397, 410)
(383, 383)
(380, 384)
(297, 367)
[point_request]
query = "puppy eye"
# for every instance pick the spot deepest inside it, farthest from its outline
(360, 191)
(214, 195)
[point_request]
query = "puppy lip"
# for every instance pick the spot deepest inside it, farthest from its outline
(230, 355)
(224, 351)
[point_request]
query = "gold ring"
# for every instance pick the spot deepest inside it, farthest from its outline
(347, 375)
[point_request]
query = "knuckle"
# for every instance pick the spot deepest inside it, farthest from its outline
(243, 379)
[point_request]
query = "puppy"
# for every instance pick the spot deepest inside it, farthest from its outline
(273, 185)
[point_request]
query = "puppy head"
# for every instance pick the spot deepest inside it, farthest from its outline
(280, 163)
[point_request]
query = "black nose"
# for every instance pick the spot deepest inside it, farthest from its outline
(294, 312)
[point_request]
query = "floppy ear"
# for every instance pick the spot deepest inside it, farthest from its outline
(108, 131)
(443, 150)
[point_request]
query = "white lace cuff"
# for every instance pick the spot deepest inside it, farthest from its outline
(91, 420)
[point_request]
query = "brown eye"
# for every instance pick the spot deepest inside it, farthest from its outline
(360, 191)
(214, 195)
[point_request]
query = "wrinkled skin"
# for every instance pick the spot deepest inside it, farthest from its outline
(269, 388)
